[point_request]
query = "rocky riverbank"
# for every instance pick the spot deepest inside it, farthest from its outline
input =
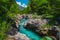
(34, 24)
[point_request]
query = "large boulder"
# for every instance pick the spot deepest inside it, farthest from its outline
(31, 26)
(58, 36)
(20, 36)
(12, 30)
(35, 24)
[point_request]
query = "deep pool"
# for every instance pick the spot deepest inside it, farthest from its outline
(29, 33)
(32, 35)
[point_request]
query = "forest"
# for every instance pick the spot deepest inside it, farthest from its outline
(49, 9)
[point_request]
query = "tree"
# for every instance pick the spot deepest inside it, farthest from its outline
(48, 8)
(8, 8)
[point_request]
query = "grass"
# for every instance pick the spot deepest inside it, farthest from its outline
(46, 26)
(3, 29)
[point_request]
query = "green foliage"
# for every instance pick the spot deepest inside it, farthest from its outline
(8, 8)
(46, 26)
(47, 8)
(46, 38)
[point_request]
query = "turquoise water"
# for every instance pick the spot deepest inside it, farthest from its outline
(29, 33)
(32, 35)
